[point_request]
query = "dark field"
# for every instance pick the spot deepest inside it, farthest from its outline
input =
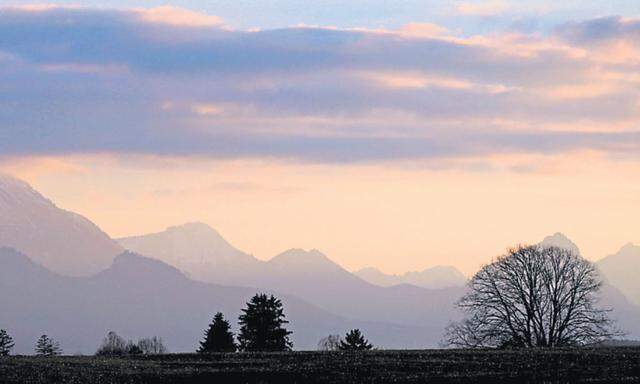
(611, 365)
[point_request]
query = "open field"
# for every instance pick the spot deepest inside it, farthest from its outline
(618, 365)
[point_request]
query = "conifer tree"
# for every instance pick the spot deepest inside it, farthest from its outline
(45, 346)
(218, 338)
(6, 343)
(354, 341)
(261, 325)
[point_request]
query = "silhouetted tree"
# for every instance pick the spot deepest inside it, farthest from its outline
(329, 343)
(152, 346)
(261, 325)
(46, 346)
(354, 341)
(533, 296)
(133, 348)
(6, 343)
(218, 338)
(112, 345)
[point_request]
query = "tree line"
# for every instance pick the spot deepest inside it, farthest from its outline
(532, 296)
(45, 346)
(262, 329)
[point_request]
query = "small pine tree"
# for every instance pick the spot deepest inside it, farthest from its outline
(46, 346)
(261, 325)
(6, 343)
(218, 338)
(354, 341)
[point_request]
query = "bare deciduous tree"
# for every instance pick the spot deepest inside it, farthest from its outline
(152, 346)
(112, 345)
(533, 296)
(329, 343)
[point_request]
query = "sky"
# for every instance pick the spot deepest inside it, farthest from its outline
(398, 135)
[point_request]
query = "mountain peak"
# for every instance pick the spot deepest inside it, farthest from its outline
(559, 240)
(15, 192)
(196, 249)
(299, 255)
(193, 226)
(62, 241)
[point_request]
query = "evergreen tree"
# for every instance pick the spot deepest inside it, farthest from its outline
(46, 346)
(6, 343)
(218, 338)
(354, 341)
(261, 325)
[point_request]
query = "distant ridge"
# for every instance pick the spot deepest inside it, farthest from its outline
(141, 297)
(622, 269)
(62, 241)
(433, 278)
(175, 279)
(309, 275)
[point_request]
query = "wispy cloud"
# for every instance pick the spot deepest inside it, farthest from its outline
(168, 81)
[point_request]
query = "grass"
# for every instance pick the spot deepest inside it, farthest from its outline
(601, 365)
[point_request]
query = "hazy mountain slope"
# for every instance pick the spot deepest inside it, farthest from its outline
(617, 271)
(622, 269)
(433, 278)
(560, 240)
(377, 277)
(198, 250)
(203, 254)
(63, 241)
(313, 277)
(140, 297)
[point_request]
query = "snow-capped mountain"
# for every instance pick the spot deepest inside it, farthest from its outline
(62, 241)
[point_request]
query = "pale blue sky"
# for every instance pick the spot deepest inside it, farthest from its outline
(268, 14)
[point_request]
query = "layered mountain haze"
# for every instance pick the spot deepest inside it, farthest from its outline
(433, 278)
(178, 278)
(621, 269)
(309, 275)
(63, 241)
(314, 277)
(139, 296)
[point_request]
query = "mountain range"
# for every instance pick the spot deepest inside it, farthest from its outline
(433, 278)
(139, 297)
(63, 276)
(309, 275)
